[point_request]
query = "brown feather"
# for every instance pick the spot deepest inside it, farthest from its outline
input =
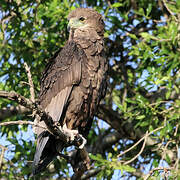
(74, 81)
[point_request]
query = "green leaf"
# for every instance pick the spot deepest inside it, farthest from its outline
(133, 36)
(140, 117)
(168, 94)
(147, 36)
(144, 123)
(149, 9)
(116, 5)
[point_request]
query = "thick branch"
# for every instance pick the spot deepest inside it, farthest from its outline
(124, 127)
(92, 172)
(11, 111)
(34, 107)
(105, 141)
(161, 93)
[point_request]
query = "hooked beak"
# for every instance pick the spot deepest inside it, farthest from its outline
(68, 27)
(74, 23)
(70, 24)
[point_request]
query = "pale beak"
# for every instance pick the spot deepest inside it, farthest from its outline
(70, 24)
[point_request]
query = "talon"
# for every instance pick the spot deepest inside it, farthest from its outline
(74, 134)
(82, 141)
(69, 133)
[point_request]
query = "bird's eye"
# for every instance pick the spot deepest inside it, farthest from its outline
(81, 18)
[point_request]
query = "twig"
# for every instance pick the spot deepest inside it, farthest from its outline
(157, 129)
(157, 169)
(92, 172)
(164, 153)
(30, 82)
(22, 123)
(176, 129)
(170, 12)
(176, 164)
(2, 155)
(143, 146)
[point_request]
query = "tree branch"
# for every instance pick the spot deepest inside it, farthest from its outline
(148, 134)
(143, 146)
(52, 128)
(161, 93)
(3, 148)
(30, 82)
(22, 123)
(158, 169)
(105, 141)
(92, 172)
(7, 112)
(170, 12)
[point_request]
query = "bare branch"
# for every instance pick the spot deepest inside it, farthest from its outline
(143, 146)
(157, 129)
(170, 12)
(7, 112)
(34, 107)
(30, 82)
(22, 123)
(157, 169)
(2, 154)
(17, 98)
(52, 128)
(92, 172)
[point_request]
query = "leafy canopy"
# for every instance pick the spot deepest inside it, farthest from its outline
(142, 41)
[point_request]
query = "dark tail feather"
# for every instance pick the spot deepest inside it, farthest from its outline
(46, 151)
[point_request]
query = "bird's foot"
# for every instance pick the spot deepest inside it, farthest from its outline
(74, 135)
(69, 132)
(83, 143)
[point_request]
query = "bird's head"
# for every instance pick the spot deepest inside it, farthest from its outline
(86, 18)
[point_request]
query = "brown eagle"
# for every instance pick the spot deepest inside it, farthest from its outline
(72, 84)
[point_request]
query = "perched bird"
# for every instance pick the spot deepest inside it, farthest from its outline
(72, 84)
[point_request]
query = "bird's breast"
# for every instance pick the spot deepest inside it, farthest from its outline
(85, 97)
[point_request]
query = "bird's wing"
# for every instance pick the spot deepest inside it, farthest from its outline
(58, 79)
(61, 74)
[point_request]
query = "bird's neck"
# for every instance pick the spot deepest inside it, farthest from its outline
(88, 39)
(82, 34)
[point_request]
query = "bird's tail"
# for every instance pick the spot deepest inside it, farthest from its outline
(46, 151)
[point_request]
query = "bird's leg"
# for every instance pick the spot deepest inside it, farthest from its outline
(72, 134)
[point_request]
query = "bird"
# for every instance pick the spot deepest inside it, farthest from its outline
(72, 85)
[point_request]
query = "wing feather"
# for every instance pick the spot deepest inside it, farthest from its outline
(62, 73)
(58, 79)
(57, 104)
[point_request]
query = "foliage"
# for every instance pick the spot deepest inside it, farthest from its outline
(109, 164)
(142, 40)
